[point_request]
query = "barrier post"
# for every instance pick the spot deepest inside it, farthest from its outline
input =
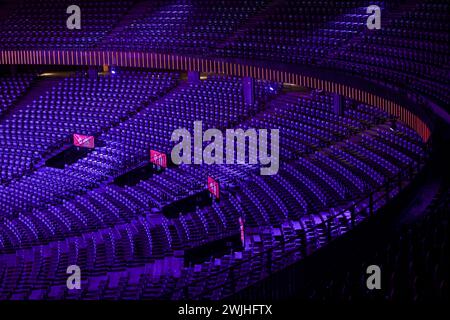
(352, 216)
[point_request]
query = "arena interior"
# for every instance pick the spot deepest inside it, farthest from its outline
(94, 206)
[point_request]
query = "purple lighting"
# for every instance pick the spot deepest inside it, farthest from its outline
(357, 137)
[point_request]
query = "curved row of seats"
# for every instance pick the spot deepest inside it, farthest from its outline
(43, 24)
(119, 237)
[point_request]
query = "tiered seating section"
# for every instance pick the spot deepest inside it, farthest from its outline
(74, 105)
(183, 26)
(411, 51)
(126, 248)
(300, 31)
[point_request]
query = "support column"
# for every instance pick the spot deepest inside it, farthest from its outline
(338, 104)
(193, 77)
(92, 73)
(249, 90)
(13, 69)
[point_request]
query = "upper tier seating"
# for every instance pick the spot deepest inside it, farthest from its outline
(183, 26)
(42, 24)
(325, 33)
(335, 170)
(411, 52)
(300, 31)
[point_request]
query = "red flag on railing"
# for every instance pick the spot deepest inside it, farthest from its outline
(158, 158)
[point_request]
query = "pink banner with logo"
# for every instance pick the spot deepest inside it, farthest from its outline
(80, 140)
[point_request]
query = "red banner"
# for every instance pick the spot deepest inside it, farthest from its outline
(158, 158)
(213, 187)
(242, 230)
(80, 140)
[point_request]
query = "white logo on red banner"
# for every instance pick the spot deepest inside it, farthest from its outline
(213, 187)
(80, 140)
(158, 158)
